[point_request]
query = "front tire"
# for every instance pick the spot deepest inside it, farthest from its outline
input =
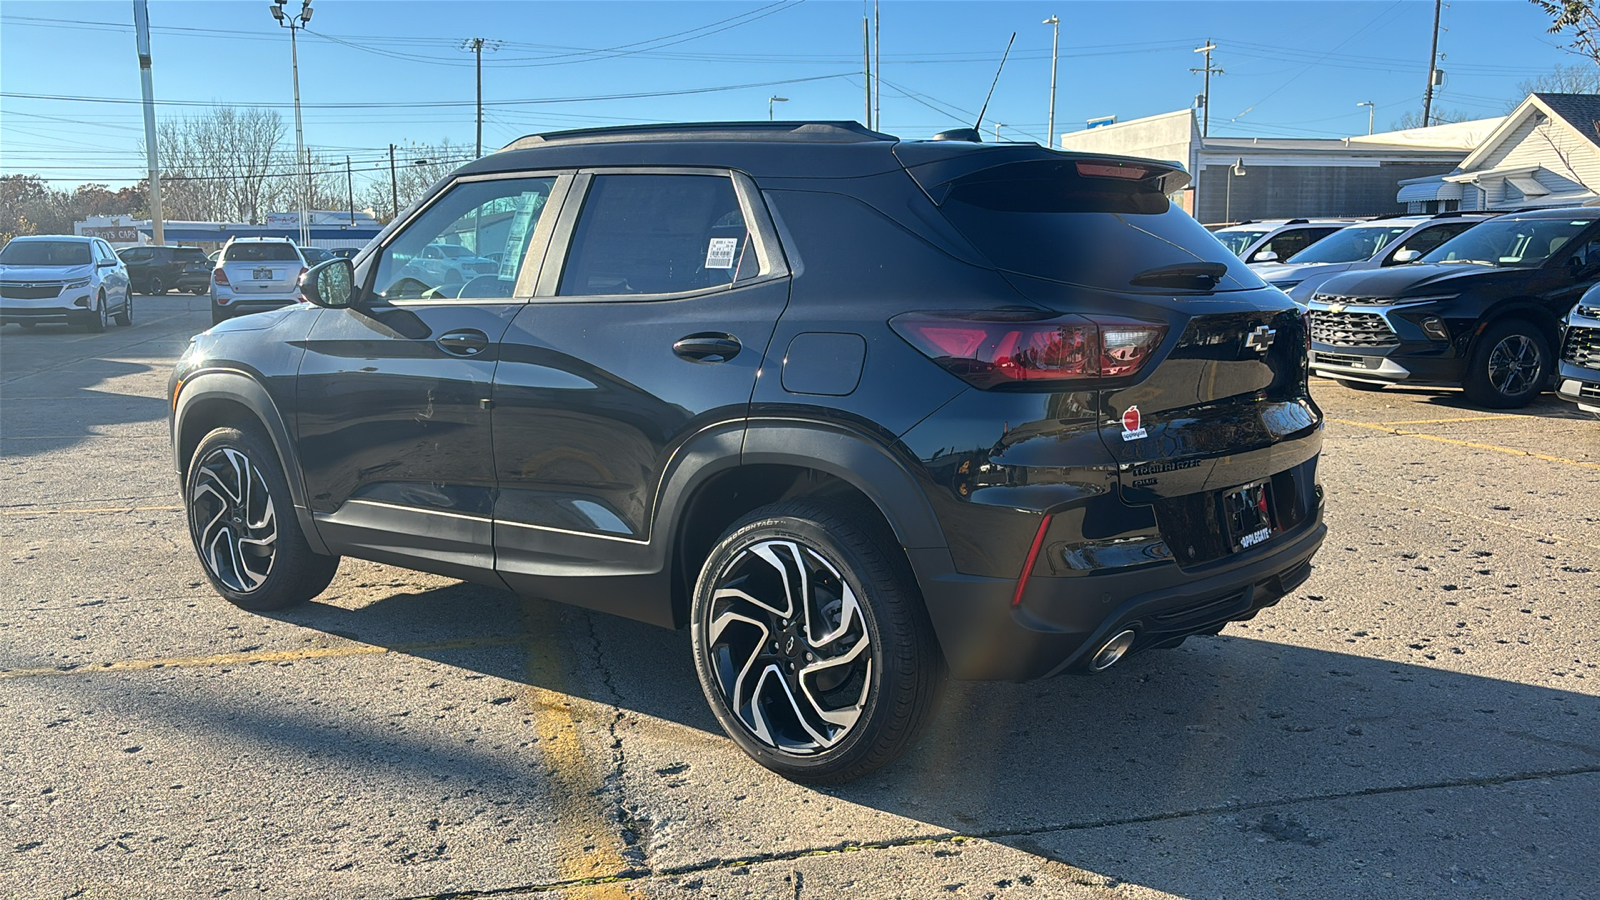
(811, 642)
(1509, 366)
(243, 525)
(96, 323)
(125, 315)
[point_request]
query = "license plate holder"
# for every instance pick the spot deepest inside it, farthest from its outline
(1247, 511)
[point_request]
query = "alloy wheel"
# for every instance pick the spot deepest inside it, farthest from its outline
(1514, 365)
(789, 647)
(236, 525)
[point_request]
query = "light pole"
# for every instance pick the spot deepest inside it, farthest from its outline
(997, 127)
(772, 100)
(1227, 205)
(1055, 44)
(295, 23)
(1371, 107)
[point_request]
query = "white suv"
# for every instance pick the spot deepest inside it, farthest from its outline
(255, 274)
(63, 278)
(1273, 240)
(1389, 241)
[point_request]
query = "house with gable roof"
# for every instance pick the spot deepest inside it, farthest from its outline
(1545, 153)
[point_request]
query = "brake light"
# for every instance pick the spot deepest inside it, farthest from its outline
(1113, 170)
(988, 350)
(220, 277)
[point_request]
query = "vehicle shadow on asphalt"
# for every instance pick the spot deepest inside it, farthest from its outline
(1191, 770)
(38, 415)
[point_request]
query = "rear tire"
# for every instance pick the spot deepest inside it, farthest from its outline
(243, 524)
(217, 315)
(1360, 385)
(1510, 365)
(831, 684)
(156, 287)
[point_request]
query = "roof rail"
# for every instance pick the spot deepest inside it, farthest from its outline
(806, 132)
(1465, 212)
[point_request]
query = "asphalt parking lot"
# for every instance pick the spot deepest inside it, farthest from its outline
(1420, 719)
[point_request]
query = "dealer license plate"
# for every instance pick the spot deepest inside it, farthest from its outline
(262, 274)
(1248, 512)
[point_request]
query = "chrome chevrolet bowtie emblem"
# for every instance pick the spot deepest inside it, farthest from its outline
(1261, 338)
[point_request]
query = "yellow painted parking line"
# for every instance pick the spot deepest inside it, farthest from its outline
(1458, 419)
(262, 656)
(1473, 444)
(588, 844)
(60, 511)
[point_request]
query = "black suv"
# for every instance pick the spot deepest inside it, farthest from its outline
(855, 411)
(157, 269)
(1482, 311)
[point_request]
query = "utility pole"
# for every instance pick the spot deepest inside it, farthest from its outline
(141, 27)
(877, 69)
(476, 46)
(1055, 45)
(1205, 123)
(1433, 59)
(394, 188)
(350, 186)
(866, 62)
(294, 23)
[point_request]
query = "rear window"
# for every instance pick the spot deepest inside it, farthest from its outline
(1044, 219)
(189, 254)
(45, 253)
(273, 252)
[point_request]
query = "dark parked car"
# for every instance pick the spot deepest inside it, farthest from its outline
(1483, 310)
(855, 411)
(314, 255)
(1578, 378)
(155, 270)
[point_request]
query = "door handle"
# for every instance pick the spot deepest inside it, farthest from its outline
(708, 347)
(466, 342)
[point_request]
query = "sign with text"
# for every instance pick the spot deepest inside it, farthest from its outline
(116, 234)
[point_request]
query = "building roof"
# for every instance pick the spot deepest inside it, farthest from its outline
(1581, 111)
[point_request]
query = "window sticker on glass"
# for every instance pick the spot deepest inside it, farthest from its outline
(719, 254)
(517, 237)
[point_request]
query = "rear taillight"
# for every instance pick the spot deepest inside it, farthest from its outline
(989, 350)
(220, 277)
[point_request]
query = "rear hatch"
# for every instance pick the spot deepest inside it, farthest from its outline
(269, 268)
(1221, 406)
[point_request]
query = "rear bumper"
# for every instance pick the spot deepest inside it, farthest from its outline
(241, 306)
(1064, 619)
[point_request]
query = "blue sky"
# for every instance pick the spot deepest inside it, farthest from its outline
(1294, 68)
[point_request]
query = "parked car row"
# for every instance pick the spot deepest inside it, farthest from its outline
(63, 279)
(1484, 301)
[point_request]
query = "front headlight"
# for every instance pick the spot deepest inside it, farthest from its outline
(77, 284)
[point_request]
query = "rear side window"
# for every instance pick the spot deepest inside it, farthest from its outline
(658, 234)
(1431, 237)
(1288, 243)
(263, 252)
(1045, 220)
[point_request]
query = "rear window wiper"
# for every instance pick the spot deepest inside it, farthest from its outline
(1192, 276)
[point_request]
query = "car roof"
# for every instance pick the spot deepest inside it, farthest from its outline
(54, 237)
(261, 240)
(1566, 212)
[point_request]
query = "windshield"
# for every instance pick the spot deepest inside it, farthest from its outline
(262, 252)
(1239, 241)
(45, 253)
(1350, 244)
(1044, 220)
(1521, 243)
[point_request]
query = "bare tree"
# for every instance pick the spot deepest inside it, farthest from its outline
(225, 164)
(1413, 118)
(1578, 79)
(417, 167)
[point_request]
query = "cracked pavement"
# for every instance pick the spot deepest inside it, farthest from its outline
(1420, 719)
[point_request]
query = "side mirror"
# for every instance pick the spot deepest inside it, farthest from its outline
(329, 284)
(1407, 255)
(1265, 256)
(108, 263)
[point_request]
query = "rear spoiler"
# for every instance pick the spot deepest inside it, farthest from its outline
(937, 166)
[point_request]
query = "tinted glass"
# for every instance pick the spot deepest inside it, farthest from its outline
(1288, 243)
(489, 223)
(1044, 220)
(1432, 236)
(658, 234)
(315, 255)
(1351, 244)
(262, 252)
(189, 254)
(1509, 242)
(1239, 241)
(45, 253)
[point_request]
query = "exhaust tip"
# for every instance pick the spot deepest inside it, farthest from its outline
(1112, 651)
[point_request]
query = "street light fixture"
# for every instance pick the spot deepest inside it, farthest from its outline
(1371, 107)
(1055, 44)
(295, 23)
(1235, 170)
(997, 127)
(772, 100)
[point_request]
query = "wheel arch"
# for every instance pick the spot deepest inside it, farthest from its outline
(214, 399)
(1525, 308)
(780, 461)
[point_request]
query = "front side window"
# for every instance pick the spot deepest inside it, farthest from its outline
(1288, 243)
(658, 234)
(469, 245)
(1239, 241)
(1350, 244)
